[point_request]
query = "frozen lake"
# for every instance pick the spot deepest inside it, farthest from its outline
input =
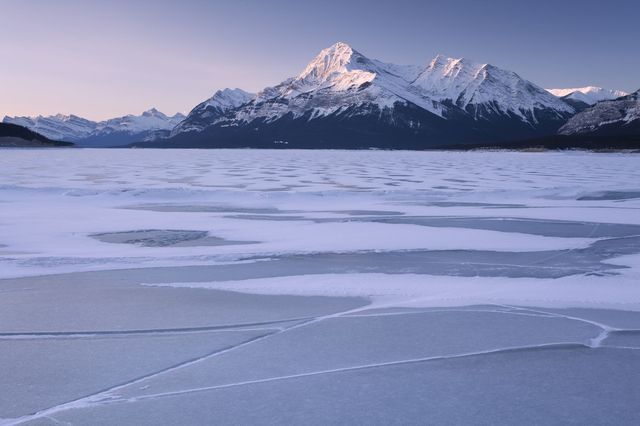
(319, 287)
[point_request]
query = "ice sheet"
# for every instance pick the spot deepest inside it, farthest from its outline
(77, 366)
(336, 201)
(378, 288)
(555, 386)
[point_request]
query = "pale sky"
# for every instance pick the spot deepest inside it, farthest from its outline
(101, 59)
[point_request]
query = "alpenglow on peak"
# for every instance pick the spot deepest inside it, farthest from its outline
(335, 59)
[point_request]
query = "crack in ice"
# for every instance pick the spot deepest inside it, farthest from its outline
(108, 394)
(115, 333)
(567, 345)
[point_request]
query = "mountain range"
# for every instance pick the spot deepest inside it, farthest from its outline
(584, 97)
(150, 124)
(343, 99)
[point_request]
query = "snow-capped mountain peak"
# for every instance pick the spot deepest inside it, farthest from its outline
(448, 78)
(150, 120)
(154, 113)
(331, 60)
(338, 68)
(334, 80)
(439, 61)
(337, 64)
(228, 98)
(483, 88)
(589, 94)
(214, 107)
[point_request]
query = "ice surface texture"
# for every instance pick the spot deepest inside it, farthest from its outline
(290, 287)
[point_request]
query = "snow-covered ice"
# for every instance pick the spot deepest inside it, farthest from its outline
(318, 287)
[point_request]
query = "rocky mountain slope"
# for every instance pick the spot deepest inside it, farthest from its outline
(211, 109)
(342, 99)
(616, 117)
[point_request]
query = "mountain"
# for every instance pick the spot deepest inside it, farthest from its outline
(582, 98)
(12, 135)
(150, 125)
(615, 117)
(588, 95)
(609, 125)
(211, 109)
(342, 99)
(56, 127)
(116, 131)
(486, 91)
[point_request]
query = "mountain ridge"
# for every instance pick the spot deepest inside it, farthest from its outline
(455, 99)
(589, 95)
(344, 99)
(620, 116)
(84, 132)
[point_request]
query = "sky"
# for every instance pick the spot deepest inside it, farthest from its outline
(102, 59)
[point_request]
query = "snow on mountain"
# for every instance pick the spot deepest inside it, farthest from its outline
(589, 94)
(228, 98)
(148, 121)
(340, 68)
(484, 88)
(613, 114)
(74, 128)
(56, 127)
(343, 96)
(215, 106)
(339, 77)
(340, 80)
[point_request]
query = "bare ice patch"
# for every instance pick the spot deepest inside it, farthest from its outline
(165, 238)
(610, 195)
(204, 208)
